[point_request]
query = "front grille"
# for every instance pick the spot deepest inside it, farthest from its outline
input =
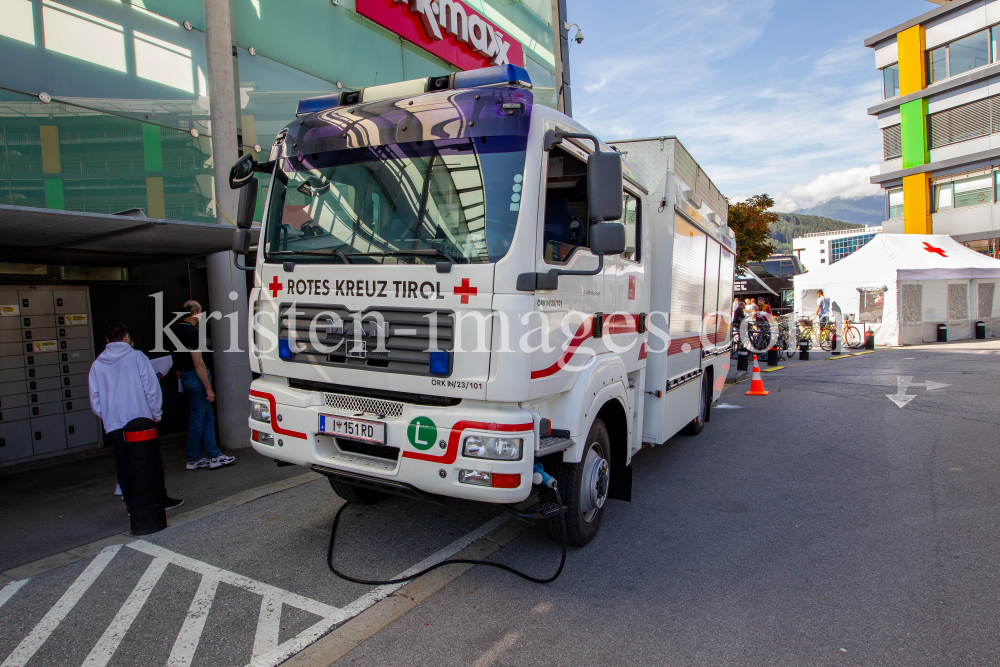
(356, 404)
(381, 394)
(406, 333)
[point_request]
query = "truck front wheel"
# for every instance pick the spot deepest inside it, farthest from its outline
(584, 488)
(695, 426)
(356, 494)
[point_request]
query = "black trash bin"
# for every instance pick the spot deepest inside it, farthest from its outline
(834, 343)
(980, 330)
(144, 470)
(804, 351)
(772, 356)
(942, 333)
(742, 360)
(869, 340)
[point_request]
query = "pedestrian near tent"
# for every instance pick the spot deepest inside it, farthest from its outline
(196, 383)
(123, 386)
(822, 309)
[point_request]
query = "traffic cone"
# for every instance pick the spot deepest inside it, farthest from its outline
(756, 383)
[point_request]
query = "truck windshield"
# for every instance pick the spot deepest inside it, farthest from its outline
(375, 204)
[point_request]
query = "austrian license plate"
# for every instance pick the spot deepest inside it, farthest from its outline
(356, 429)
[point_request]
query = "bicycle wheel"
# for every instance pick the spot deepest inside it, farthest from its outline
(826, 340)
(852, 337)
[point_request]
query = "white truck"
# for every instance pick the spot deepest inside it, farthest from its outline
(454, 283)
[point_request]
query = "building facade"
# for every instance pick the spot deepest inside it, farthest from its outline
(116, 107)
(940, 122)
(824, 248)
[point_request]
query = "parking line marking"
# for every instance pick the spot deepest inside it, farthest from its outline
(30, 644)
(8, 591)
(268, 622)
(106, 646)
(187, 640)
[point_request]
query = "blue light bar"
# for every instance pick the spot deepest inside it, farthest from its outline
(440, 363)
(284, 351)
(489, 76)
(313, 104)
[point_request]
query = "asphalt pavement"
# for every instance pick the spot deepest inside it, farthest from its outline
(822, 524)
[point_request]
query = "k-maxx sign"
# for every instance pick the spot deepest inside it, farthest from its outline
(449, 29)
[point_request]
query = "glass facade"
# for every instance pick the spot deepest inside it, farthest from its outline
(128, 124)
(895, 196)
(962, 55)
(841, 248)
(890, 81)
(963, 192)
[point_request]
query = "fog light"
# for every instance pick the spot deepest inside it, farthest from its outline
(440, 363)
(284, 352)
(260, 412)
(262, 438)
(477, 477)
(505, 481)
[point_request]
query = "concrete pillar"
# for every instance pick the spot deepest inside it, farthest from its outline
(227, 294)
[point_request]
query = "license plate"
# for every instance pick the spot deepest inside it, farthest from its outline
(356, 429)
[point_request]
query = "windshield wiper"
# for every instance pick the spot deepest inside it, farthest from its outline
(432, 252)
(318, 252)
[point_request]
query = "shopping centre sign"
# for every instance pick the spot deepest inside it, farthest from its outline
(449, 29)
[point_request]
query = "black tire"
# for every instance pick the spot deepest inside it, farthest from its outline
(826, 342)
(695, 426)
(356, 494)
(852, 337)
(585, 499)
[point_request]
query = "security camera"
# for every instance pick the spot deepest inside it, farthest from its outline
(579, 36)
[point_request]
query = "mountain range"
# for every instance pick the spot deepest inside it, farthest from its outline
(792, 225)
(862, 211)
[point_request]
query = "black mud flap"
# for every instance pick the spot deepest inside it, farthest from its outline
(620, 487)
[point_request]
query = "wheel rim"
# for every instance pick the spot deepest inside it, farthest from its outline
(596, 476)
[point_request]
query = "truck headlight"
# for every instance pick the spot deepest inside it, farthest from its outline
(502, 449)
(260, 412)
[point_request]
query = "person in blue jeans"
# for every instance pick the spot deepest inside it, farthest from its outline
(196, 381)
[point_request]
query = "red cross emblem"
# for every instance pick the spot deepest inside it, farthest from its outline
(929, 248)
(275, 287)
(465, 290)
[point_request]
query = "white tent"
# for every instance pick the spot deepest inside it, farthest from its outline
(905, 285)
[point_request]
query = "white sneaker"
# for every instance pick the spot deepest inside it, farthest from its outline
(221, 460)
(194, 465)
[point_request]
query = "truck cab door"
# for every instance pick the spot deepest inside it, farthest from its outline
(568, 311)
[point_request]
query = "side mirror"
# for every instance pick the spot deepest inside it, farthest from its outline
(604, 186)
(248, 204)
(607, 238)
(241, 241)
(242, 171)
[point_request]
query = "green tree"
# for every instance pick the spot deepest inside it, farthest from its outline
(751, 221)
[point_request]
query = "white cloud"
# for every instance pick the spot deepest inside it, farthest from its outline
(849, 184)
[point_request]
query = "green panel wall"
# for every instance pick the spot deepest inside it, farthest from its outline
(913, 119)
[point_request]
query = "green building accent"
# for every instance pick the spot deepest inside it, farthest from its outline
(152, 150)
(54, 194)
(913, 120)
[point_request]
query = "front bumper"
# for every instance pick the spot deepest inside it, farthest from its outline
(433, 467)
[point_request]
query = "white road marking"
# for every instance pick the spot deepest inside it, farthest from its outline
(187, 640)
(726, 406)
(106, 646)
(267, 652)
(500, 647)
(30, 644)
(10, 589)
(903, 382)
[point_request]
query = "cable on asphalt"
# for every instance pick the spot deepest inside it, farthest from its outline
(449, 561)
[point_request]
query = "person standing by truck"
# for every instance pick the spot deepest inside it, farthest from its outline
(196, 383)
(123, 386)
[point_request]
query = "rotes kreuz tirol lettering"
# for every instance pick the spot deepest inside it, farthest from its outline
(440, 16)
(372, 289)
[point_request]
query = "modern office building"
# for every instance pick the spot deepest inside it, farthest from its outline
(822, 248)
(119, 120)
(940, 122)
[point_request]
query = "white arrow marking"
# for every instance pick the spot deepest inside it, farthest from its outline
(901, 398)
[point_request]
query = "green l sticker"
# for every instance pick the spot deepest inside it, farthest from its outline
(422, 433)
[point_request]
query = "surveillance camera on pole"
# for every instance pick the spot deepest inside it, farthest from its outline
(579, 33)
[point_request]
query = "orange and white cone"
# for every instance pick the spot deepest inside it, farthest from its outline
(756, 382)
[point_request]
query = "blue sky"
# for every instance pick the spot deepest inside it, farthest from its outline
(768, 95)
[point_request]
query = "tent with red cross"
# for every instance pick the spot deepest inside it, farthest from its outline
(902, 286)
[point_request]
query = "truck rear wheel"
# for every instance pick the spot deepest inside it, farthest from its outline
(698, 423)
(356, 494)
(584, 489)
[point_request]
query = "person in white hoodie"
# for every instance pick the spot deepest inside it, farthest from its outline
(123, 387)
